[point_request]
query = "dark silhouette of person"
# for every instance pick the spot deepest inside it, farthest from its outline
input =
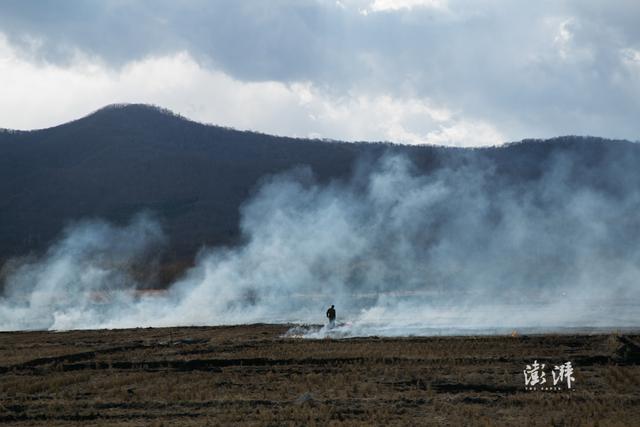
(331, 314)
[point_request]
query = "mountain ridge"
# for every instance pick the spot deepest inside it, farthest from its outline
(123, 159)
(152, 109)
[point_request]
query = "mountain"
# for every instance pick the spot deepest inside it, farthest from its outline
(124, 159)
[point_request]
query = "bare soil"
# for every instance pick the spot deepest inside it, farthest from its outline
(253, 375)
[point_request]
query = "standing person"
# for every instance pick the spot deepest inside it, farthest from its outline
(331, 314)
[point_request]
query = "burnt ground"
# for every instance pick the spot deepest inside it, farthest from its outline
(252, 375)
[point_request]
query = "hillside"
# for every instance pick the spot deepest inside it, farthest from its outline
(125, 159)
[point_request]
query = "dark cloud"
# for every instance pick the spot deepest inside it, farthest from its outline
(533, 69)
(251, 40)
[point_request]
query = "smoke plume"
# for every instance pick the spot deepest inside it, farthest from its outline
(461, 249)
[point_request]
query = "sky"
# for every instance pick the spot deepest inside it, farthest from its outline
(446, 72)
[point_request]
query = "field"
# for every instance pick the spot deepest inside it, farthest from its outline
(253, 375)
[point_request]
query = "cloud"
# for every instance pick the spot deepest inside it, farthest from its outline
(529, 69)
(394, 5)
(180, 83)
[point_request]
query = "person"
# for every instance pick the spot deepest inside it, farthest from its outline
(331, 314)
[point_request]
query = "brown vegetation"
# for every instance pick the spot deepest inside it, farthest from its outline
(251, 375)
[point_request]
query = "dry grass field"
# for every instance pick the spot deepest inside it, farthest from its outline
(252, 375)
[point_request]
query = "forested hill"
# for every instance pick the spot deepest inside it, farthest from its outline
(125, 159)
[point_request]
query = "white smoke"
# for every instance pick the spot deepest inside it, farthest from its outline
(398, 252)
(68, 285)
